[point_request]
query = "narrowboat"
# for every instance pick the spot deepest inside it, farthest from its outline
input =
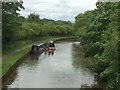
(38, 48)
(51, 46)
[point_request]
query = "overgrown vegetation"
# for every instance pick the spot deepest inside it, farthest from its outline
(99, 36)
(18, 28)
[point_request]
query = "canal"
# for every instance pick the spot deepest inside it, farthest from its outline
(63, 68)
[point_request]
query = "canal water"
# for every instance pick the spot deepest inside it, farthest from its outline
(63, 68)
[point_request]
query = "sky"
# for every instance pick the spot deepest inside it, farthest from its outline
(57, 9)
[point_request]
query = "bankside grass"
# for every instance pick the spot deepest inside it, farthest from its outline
(11, 60)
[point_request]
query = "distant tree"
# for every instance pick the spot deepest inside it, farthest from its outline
(33, 17)
(22, 19)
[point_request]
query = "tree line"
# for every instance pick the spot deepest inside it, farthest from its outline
(99, 35)
(16, 27)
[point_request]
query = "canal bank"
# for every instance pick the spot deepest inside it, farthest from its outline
(64, 68)
(17, 60)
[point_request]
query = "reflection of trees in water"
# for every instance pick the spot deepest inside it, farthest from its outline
(79, 61)
(78, 57)
(100, 85)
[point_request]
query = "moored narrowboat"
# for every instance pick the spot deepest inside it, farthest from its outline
(38, 48)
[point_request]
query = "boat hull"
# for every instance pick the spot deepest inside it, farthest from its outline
(51, 48)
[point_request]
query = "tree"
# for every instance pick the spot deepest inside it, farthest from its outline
(100, 39)
(10, 23)
(33, 18)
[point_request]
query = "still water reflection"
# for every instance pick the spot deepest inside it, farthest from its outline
(63, 68)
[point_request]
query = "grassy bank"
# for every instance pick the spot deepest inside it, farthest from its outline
(21, 48)
(11, 60)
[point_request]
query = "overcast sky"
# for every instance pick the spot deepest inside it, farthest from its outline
(57, 9)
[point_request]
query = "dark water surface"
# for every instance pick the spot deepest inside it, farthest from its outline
(63, 68)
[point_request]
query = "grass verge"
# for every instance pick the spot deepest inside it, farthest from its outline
(11, 60)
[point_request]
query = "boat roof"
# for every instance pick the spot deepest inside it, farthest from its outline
(51, 41)
(38, 44)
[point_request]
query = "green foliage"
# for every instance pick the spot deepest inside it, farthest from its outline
(99, 36)
(16, 27)
(33, 18)
(10, 23)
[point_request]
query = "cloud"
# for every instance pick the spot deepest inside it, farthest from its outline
(57, 9)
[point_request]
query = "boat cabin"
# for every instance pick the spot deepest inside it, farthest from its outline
(51, 44)
(38, 47)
